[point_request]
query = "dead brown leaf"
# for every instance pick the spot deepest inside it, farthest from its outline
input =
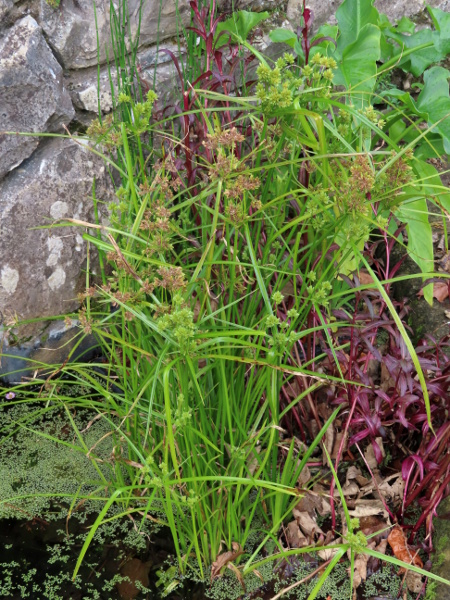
(440, 291)
(294, 536)
(313, 502)
(337, 443)
(365, 278)
(328, 443)
(351, 487)
(306, 522)
(400, 548)
(304, 477)
(369, 453)
(238, 574)
(367, 508)
(224, 559)
(414, 582)
(328, 541)
(444, 263)
(360, 569)
(135, 570)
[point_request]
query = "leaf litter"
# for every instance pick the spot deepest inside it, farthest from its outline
(368, 499)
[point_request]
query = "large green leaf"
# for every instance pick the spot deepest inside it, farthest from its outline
(420, 238)
(352, 16)
(441, 21)
(415, 215)
(240, 24)
(358, 67)
(432, 185)
(283, 36)
(434, 102)
(417, 61)
(433, 105)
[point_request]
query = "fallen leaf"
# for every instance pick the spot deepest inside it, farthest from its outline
(306, 522)
(225, 558)
(314, 502)
(294, 536)
(397, 541)
(328, 444)
(360, 569)
(304, 477)
(238, 574)
(337, 444)
(135, 570)
(329, 552)
(414, 582)
(367, 508)
(440, 291)
(372, 524)
(351, 488)
(365, 278)
(444, 263)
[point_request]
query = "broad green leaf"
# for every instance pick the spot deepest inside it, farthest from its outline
(433, 105)
(405, 25)
(441, 21)
(434, 102)
(298, 49)
(240, 24)
(283, 36)
(432, 148)
(431, 183)
(418, 61)
(327, 31)
(352, 16)
(420, 238)
(415, 215)
(325, 46)
(358, 68)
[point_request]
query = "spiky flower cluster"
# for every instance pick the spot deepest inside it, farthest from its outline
(157, 221)
(241, 184)
(274, 89)
(227, 138)
(317, 209)
(373, 116)
(172, 278)
(360, 183)
(179, 323)
(320, 293)
(397, 176)
(106, 130)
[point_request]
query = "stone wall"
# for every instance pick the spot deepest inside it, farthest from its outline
(48, 81)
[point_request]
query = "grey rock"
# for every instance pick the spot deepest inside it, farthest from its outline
(395, 9)
(72, 34)
(5, 6)
(32, 94)
(83, 85)
(41, 270)
(255, 5)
